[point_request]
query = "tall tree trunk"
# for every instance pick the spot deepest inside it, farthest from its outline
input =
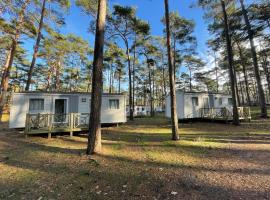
(164, 84)
(131, 117)
(216, 72)
(36, 47)
(266, 70)
(151, 90)
(244, 70)
(119, 83)
(6, 74)
(190, 80)
(94, 137)
(241, 90)
(133, 72)
(230, 62)
(255, 62)
(57, 76)
(174, 118)
(174, 56)
(110, 79)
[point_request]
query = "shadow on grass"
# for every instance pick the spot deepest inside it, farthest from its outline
(143, 177)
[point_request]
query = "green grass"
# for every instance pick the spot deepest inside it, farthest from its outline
(140, 161)
(255, 112)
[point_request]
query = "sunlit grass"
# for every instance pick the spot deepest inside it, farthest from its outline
(139, 155)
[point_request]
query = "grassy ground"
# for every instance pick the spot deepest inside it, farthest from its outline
(139, 161)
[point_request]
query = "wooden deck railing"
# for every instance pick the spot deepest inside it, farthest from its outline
(224, 113)
(51, 123)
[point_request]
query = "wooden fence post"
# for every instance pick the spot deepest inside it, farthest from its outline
(71, 120)
(27, 124)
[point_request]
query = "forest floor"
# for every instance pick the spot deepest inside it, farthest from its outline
(139, 161)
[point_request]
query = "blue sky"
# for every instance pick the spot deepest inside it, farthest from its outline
(149, 10)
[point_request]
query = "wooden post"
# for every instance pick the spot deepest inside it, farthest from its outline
(71, 124)
(50, 117)
(38, 120)
(27, 124)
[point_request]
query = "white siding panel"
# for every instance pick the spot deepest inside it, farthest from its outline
(18, 111)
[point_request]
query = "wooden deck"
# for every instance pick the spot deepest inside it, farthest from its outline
(54, 123)
(72, 122)
(224, 113)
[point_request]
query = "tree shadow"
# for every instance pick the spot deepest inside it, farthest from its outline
(143, 177)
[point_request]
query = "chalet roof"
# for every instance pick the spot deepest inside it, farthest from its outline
(200, 92)
(66, 93)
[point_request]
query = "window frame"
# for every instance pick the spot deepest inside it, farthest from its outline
(196, 101)
(220, 101)
(114, 100)
(230, 101)
(36, 99)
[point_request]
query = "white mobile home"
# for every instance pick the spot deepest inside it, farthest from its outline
(112, 110)
(189, 104)
(139, 110)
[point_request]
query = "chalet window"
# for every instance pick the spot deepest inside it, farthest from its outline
(205, 102)
(138, 109)
(83, 100)
(114, 104)
(195, 101)
(220, 101)
(36, 104)
(230, 102)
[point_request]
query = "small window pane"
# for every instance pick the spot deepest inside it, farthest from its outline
(36, 104)
(195, 101)
(83, 99)
(220, 101)
(114, 103)
(230, 101)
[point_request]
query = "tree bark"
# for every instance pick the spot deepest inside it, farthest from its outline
(133, 72)
(190, 80)
(266, 70)
(244, 70)
(119, 81)
(6, 74)
(230, 62)
(36, 47)
(131, 116)
(57, 76)
(216, 72)
(94, 136)
(255, 62)
(174, 118)
(151, 90)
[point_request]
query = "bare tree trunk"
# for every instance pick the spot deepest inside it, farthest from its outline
(150, 88)
(255, 62)
(216, 71)
(6, 74)
(174, 118)
(241, 90)
(57, 76)
(131, 117)
(35, 54)
(110, 79)
(174, 56)
(119, 83)
(94, 137)
(244, 72)
(190, 81)
(230, 62)
(133, 72)
(266, 71)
